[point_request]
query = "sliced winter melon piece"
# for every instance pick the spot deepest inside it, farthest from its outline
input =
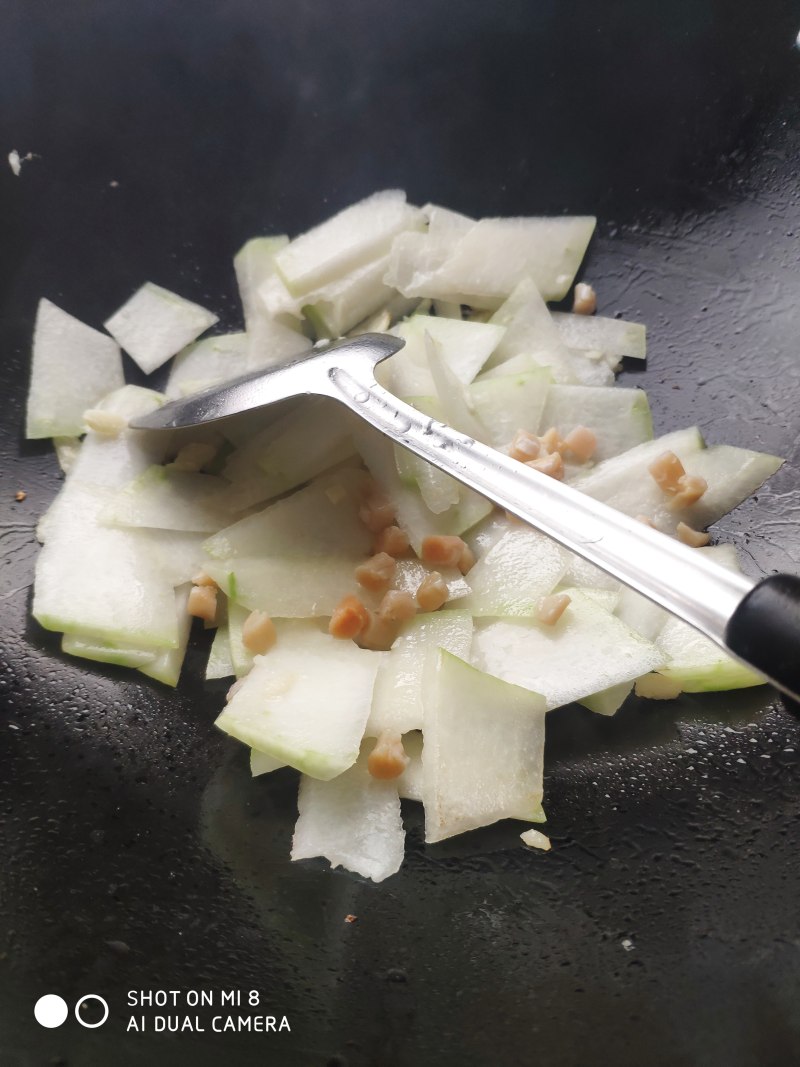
(307, 445)
(103, 652)
(452, 393)
(285, 587)
(206, 363)
(580, 572)
(513, 576)
(353, 821)
(405, 673)
(608, 701)
(344, 242)
(67, 449)
(606, 598)
(465, 348)
(586, 651)
(113, 461)
(166, 667)
(510, 403)
(306, 701)
(624, 481)
(253, 264)
(179, 554)
(620, 418)
(99, 582)
(697, 664)
(640, 613)
(341, 305)
(444, 221)
(483, 754)
(155, 324)
(163, 498)
(261, 763)
(522, 363)
(409, 784)
(73, 366)
(240, 656)
(733, 474)
(270, 342)
(613, 337)
(530, 330)
(320, 520)
(485, 262)
(286, 453)
(220, 662)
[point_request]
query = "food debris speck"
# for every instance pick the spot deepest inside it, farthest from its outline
(536, 839)
(15, 160)
(627, 944)
(350, 918)
(114, 184)
(20, 495)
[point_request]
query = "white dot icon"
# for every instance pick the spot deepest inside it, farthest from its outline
(50, 1011)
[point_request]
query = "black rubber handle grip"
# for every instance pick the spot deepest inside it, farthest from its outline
(765, 631)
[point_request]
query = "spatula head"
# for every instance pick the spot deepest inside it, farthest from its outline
(298, 377)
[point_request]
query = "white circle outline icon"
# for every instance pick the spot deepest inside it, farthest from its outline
(90, 996)
(50, 1010)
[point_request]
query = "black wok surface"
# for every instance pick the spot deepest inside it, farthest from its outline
(137, 853)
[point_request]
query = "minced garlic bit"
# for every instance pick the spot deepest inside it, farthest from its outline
(536, 839)
(466, 560)
(657, 687)
(351, 918)
(258, 633)
(203, 602)
(391, 540)
(691, 537)
(525, 446)
(432, 592)
(397, 606)
(194, 456)
(584, 301)
(377, 512)
(550, 440)
(349, 618)
(445, 550)
(550, 608)
(388, 758)
(201, 578)
(551, 465)
(666, 471)
(689, 490)
(379, 634)
(580, 443)
(20, 495)
(106, 422)
(377, 573)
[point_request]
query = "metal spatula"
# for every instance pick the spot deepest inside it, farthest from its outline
(757, 622)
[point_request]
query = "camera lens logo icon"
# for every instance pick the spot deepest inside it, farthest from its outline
(51, 1011)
